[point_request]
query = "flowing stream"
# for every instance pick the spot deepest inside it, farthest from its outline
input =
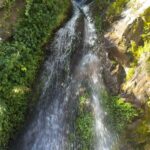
(59, 87)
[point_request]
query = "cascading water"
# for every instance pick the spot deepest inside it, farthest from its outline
(50, 126)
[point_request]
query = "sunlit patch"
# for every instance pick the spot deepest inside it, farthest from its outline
(20, 90)
(2, 109)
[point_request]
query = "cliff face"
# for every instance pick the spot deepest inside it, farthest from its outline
(129, 26)
(128, 44)
(139, 84)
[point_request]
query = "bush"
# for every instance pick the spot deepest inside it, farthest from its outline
(20, 60)
(107, 12)
(119, 112)
(115, 9)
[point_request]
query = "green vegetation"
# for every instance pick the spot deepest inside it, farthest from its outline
(108, 12)
(146, 18)
(21, 58)
(84, 123)
(137, 51)
(102, 5)
(120, 112)
(141, 130)
(115, 9)
(130, 73)
(8, 3)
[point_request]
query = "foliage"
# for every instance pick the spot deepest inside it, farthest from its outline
(8, 3)
(84, 123)
(115, 9)
(137, 51)
(102, 5)
(120, 113)
(146, 34)
(108, 12)
(20, 59)
(130, 73)
(99, 16)
(146, 18)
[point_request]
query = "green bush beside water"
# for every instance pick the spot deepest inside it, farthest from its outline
(84, 123)
(21, 58)
(119, 112)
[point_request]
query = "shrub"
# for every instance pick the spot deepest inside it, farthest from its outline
(20, 60)
(119, 112)
(115, 9)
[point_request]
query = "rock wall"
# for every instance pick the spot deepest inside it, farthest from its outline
(139, 84)
(136, 90)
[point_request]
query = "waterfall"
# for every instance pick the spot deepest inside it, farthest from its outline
(50, 125)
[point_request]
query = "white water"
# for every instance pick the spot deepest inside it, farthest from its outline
(90, 68)
(47, 131)
(50, 127)
(90, 64)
